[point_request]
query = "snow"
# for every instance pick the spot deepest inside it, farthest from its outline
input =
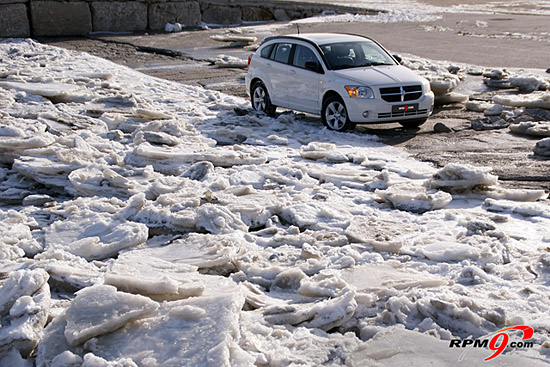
(171, 228)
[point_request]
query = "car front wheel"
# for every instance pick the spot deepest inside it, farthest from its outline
(260, 99)
(335, 115)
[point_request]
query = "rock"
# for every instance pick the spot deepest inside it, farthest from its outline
(494, 110)
(186, 13)
(497, 74)
(542, 148)
(224, 15)
(453, 69)
(119, 16)
(499, 84)
(497, 79)
(282, 16)
(489, 123)
(442, 128)
(533, 128)
(548, 70)
(54, 18)
(254, 14)
(17, 23)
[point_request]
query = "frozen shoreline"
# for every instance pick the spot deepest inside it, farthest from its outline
(217, 239)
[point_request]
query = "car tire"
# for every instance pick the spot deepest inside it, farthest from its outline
(259, 97)
(335, 114)
(412, 124)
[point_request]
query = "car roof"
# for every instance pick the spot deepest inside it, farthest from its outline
(321, 38)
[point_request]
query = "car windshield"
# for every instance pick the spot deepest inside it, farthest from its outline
(345, 55)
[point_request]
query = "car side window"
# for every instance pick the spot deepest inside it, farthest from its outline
(303, 54)
(266, 51)
(282, 52)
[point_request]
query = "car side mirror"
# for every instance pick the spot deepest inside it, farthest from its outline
(312, 65)
(398, 58)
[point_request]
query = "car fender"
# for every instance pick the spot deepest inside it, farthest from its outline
(260, 73)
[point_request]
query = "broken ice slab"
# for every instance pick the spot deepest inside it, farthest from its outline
(16, 236)
(100, 309)
(53, 91)
(396, 346)
(414, 198)
(533, 100)
(25, 296)
(378, 278)
(221, 157)
(532, 128)
(455, 177)
(94, 236)
(203, 331)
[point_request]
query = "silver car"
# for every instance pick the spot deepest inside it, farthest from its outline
(347, 79)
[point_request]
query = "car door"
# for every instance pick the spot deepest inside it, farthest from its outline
(303, 91)
(277, 68)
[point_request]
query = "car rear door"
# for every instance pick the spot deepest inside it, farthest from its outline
(277, 68)
(303, 88)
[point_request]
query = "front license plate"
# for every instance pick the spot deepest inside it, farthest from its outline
(405, 108)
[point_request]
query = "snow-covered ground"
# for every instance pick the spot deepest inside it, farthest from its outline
(149, 223)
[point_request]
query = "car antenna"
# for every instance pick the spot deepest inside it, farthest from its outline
(298, 26)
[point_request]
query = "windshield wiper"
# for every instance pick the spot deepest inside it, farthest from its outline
(373, 64)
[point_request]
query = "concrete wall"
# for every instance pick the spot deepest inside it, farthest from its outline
(25, 18)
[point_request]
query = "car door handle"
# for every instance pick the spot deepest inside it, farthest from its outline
(292, 71)
(268, 65)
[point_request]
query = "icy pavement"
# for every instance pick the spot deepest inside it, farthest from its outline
(148, 223)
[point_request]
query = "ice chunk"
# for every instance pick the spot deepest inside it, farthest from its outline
(15, 235)
(542, 148)
(446, 251)
(477, 106)
(54, 91)
(171, 28)
(27, 295)
(207, 337)
(100, 309)
(380, 234)
(456, 177)
(324, 315)
(233, 38)
(533, 100)
(95, 236)
(379, 277)
(449, 98)
(417, 349)
(316, 150)
(67, 271)
(67, 359)
(533, 128)
(20, 283)
(414, 198)
(226, 61)
(218, 219)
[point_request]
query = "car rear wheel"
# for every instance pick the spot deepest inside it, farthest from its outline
(411, 124)
(260, 99)
(335, 115)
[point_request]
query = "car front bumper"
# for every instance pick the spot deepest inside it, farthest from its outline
(373, 111)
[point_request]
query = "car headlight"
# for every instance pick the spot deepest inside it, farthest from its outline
(427, 86)
(355, 91)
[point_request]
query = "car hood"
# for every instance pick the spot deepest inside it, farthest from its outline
(380, 75)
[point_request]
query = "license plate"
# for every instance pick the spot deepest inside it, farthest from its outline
(405, 108)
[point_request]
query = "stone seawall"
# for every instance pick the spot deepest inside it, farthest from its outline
(26, 18)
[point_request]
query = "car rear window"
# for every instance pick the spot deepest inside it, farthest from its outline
(282, 52)
(266, 51)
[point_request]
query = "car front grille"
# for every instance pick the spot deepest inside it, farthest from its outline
(401, 114)
(401, 94)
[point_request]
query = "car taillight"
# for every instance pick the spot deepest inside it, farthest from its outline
(249, 58)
